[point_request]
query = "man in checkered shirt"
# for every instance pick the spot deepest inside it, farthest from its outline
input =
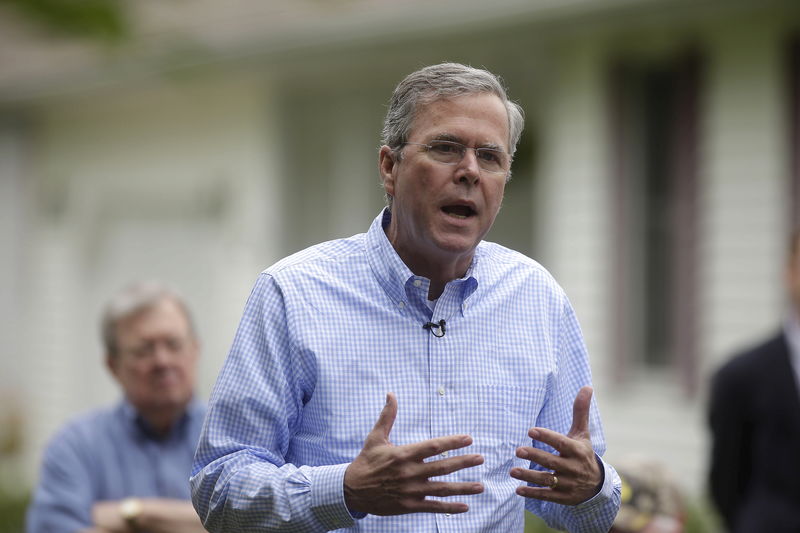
(414, 377)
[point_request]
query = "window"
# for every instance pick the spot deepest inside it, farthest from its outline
(654, 138)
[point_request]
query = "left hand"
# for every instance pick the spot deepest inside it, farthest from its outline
(107, 518)
(159, 515)
(575, 475)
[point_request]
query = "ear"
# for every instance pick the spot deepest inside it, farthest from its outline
(112, 364)
(195, 348)
(387, 166)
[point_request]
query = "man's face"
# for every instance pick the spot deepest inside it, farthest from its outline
(156, 359)
(441, 212)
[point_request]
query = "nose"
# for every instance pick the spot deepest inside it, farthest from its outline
(468, 171)
(161, 354)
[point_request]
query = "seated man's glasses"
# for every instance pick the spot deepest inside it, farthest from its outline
(451, 153)
(174, 346)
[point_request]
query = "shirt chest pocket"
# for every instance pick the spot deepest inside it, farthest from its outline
(499, 417)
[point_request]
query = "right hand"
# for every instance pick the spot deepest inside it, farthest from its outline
(389, 480)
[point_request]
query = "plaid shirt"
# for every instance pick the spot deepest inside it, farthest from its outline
(327, 332)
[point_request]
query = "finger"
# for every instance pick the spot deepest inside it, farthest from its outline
(428, 448)
(383, 427)
(444, 467)
(443, 489)
(549, 495)
(544, 479)
(580, 414)
(436, 506)
(542, 458)
(561, 443)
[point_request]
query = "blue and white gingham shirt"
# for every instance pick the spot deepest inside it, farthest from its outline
(327, 332)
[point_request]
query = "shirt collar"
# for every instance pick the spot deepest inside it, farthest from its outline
(395, 277)
(135, 423)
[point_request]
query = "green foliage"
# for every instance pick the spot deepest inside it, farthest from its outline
(699, 519)
(12, 512)
(100, 19)
(534, 524)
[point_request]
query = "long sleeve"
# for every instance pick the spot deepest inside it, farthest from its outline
(327, 332)
(62, 501)
(596, 514)
(104, 455)
(241, 477)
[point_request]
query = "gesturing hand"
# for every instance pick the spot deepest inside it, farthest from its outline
(388, 480)
(576, 475)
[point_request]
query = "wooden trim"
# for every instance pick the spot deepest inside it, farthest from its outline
(685, 160)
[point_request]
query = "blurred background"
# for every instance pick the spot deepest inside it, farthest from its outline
(198, 141)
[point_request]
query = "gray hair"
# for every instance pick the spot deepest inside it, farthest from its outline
(134, 299)
(445, 80)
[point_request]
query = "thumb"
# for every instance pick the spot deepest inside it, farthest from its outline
(383, 427)
(580, 414)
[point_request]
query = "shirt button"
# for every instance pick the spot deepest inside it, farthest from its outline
(417, 282)
(401, 305)
(441, 391)
(447, 515)
(444, 453)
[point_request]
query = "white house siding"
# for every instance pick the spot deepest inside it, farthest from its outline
(577, 198)
(743, 204)
(173, 181)
(573, 192)
(745, 193)
(196, 179)
(330, 149)
(746, 185)
(645, 416)
(13, 292)
(12, 245)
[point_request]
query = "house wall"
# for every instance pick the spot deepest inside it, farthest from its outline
(746, 185)
(161, 181)
(206, 180)
(743, 206)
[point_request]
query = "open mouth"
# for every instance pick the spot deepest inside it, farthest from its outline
(459, 211)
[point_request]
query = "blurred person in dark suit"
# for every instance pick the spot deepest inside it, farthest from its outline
(754, 416)
(125, 468)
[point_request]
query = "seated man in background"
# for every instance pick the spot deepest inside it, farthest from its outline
(125, 468)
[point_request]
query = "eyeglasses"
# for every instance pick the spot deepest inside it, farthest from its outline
(451, 153)
(175, 346)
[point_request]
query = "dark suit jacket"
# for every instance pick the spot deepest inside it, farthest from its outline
(755, 423)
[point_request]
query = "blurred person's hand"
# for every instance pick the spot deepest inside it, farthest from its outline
(107, 517)
(157, 515)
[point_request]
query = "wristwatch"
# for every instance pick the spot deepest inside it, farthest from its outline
(130, 509)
